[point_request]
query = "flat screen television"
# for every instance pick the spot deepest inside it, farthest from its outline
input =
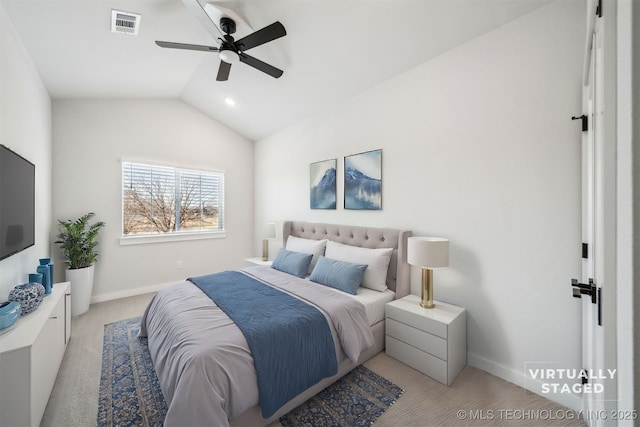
(17, 203)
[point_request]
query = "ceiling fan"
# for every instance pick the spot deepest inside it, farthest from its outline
(232, 51)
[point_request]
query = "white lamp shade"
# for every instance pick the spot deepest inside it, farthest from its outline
(270, 230)
(428, 251)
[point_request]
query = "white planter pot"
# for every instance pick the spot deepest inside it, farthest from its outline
(81, 289)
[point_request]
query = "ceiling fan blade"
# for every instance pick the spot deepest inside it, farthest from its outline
(223, 71)
(198, 11)
(268, 33)
(262, 66)
(186, 46)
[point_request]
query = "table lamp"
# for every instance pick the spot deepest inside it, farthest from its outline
(428, 253)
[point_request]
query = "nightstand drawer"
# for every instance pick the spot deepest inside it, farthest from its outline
(417, 359)
(424, 341)
(417, 320)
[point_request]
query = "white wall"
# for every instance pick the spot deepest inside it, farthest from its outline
(90, 137)
(478, 147)
(25, 127)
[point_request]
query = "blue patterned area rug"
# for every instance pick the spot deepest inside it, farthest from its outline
(130, 394)
(357, 399)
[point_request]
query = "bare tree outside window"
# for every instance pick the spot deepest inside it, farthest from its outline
(160, 199)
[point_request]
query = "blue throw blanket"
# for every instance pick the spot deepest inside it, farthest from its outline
(290, 340)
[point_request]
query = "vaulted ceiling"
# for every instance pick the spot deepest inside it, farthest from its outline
(333, 50)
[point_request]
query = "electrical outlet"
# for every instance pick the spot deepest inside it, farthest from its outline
(178, 264)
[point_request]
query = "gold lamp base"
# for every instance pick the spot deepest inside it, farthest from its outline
(427, 288)
(265, 249)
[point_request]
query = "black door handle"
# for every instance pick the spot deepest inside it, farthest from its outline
(580, 289)
(590, 289)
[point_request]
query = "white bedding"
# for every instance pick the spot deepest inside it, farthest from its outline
(374, 303)
(208, 381)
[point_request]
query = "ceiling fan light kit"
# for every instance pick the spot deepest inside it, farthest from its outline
(232, 51)
(229, 56)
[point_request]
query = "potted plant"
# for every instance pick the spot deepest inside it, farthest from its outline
(77, 239)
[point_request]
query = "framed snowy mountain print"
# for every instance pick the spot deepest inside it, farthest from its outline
(323, 184)
(363, 181)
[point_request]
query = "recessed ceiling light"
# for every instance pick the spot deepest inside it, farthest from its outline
(230, 102)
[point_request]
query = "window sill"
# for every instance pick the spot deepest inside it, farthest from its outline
(176, 237)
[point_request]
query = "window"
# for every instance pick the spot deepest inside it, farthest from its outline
(161, 200)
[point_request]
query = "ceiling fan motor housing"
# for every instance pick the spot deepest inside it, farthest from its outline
(227, 25)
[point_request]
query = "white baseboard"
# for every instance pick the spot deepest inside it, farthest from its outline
(570, 400)
(127, 293)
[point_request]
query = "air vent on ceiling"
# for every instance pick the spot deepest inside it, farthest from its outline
(125, 22)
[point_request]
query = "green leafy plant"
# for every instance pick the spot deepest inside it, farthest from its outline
(77, 239)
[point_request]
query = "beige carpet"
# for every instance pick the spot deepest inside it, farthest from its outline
(475, 397)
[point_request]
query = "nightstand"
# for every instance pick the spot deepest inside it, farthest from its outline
(257, 261)
(431, 340)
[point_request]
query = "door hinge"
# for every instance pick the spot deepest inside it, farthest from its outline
(585, 121)
(585, 250)
(599, 9)
(584, 376)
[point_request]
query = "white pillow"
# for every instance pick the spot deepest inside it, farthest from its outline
(377, 260)
(307, 246)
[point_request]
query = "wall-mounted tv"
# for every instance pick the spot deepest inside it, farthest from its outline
(17, 203)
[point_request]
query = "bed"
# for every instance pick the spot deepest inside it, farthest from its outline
(204, 365)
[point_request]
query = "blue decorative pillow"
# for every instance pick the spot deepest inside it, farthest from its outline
(341, 275)
(291, 262)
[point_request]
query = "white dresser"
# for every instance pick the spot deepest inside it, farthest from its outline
(433, 341)
(30, 356)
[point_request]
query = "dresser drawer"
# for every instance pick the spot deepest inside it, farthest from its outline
(422, 340)
(418, 320)
(46, 353)
(417, 359)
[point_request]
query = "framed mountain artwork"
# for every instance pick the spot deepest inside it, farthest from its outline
(363, 181)
(323, 184)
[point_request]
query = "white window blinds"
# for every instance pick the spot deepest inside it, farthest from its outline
(160, 200)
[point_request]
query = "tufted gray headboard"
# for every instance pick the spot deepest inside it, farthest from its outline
(365, 237)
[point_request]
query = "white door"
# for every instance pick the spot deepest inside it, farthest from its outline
(589, 309)
(590, 286)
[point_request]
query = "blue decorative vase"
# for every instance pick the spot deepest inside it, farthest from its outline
(29, 295)
(50, 265)
(47, 262)
(46, 278)
(36, 278)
